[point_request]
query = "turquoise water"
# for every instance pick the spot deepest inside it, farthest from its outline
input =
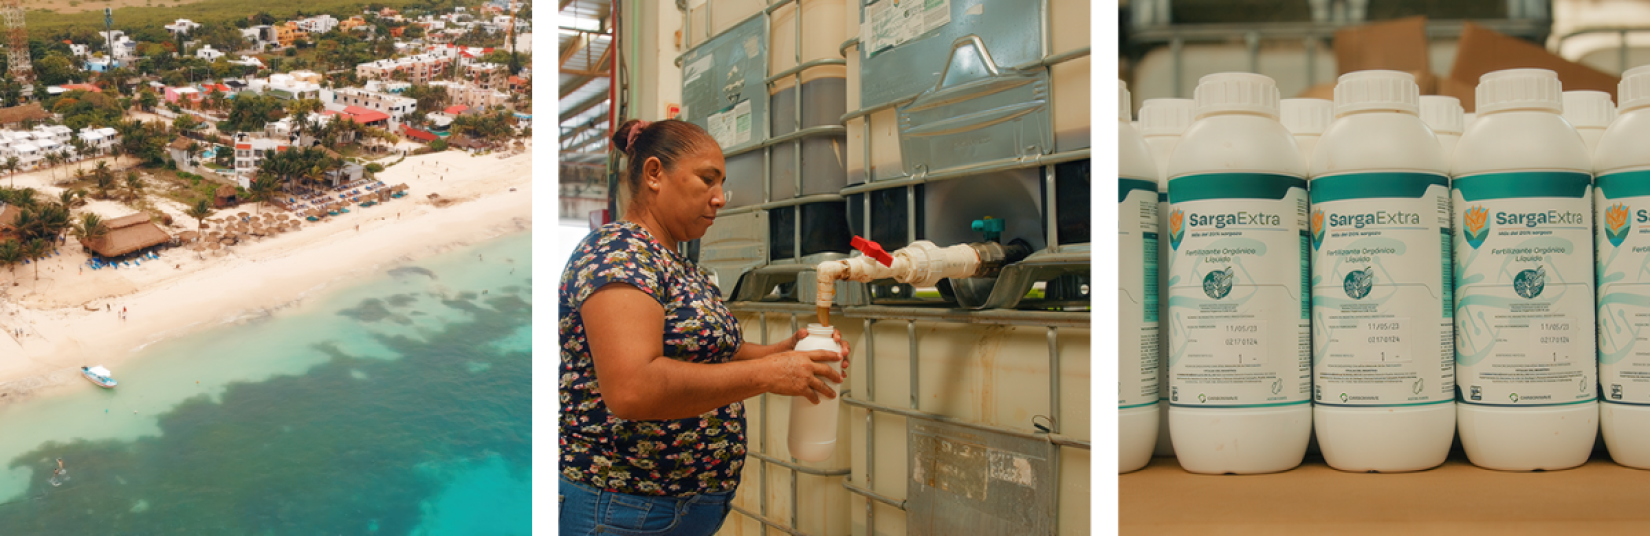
(397, 405)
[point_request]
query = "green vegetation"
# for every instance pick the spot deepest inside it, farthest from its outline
(206, 12)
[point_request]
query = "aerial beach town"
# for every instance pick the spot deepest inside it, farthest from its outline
(157, 179)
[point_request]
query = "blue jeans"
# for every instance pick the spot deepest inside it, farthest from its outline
(587, 511)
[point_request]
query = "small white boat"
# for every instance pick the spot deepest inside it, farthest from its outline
(99, 376)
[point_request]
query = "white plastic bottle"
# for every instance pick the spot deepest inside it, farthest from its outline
(1383, 364)
(1240, 353)
(1467, 119)
(1161, 122)
(1443, 116)
(1137, 304)
(1524, 333)
(813, 426)
(1306, 119)
(1590, 112)
(1623, 212)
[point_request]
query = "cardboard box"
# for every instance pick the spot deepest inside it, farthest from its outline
(1482, 50)
(1396, 45)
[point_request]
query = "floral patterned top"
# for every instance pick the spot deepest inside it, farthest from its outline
(681, 457)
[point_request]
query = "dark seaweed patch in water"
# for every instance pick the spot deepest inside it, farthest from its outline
(321, 453)
(401, 300)
(412, 270)
(370, 310)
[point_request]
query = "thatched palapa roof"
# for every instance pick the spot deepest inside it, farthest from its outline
(127, 234)
(27, 112)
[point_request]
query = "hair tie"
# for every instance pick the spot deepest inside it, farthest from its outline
(630, 141)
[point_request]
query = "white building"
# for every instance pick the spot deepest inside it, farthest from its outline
(80, 51)
(249, 61)
(387, 86)
(206, 52)
(473, 96)
(251, 150)
(318, 24)
(99, 140)
(124, 47)
(183, 26)
(20, 145)
(420, 69)
(285, 87)
(55, 133)
(394, 106)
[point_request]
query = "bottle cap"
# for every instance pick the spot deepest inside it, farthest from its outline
(1376, 90)
(1306, 116)
(1634, 89)
(1236, 92)
(1165, 117)
(1443, 114)
(1589, 109)
(1123, 101)
(1520, 89)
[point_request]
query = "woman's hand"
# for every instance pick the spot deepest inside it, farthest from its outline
(836, 335)
(796, 373)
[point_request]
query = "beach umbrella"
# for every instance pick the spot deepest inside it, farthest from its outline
(188, 235)
(244, 214)
(219, 253)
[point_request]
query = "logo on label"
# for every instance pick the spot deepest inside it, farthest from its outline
(1317, 229)
(1177, 228)
(1202, 398)
(1615, 219)
(1419, 384)
(1218, 283)
(1358, 283)
(1530, 283)
(1277, 386)
(1343, 397)
(1513, 397)
(1477, 226)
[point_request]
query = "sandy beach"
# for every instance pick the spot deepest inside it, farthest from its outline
(70, 317)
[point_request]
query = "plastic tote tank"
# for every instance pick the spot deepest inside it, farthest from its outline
(981, 114)
(990, 380)
(769, 84)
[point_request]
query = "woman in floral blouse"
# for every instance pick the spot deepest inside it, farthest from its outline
(653, 370)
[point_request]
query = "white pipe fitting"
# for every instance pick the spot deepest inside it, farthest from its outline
(922, 264)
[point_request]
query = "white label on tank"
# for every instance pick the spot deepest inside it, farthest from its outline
(742, 122)
(1524, 291)
(1138, 293)
(1623, 212)
(1381, 328)
(699, 67)
(1238, 308)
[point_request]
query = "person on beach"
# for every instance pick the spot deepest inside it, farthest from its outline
(654, 371)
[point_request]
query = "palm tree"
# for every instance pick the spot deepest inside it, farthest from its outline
(66, 197)
(53, 159)
(263, 188)
(91, 227)
(194, 147)
(200, 212)
(12, 164)
(134, 184)
(105, 182)
(79, 150)
(35, 250)
(11, 255)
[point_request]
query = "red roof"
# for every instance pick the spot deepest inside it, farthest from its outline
(456, 109)
(215, 87)
(243, 146)
(87, 87)
(419, 134)
(364, 115)
(515, 79)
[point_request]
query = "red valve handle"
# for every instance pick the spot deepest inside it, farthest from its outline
(873, 250)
